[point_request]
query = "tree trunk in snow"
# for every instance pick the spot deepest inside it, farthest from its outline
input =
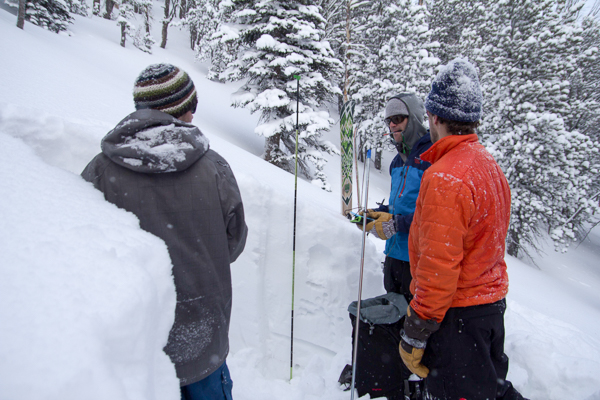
(165, 29)
(21, 14)
(182, 9)
(272, 148)
(123, 34)
(377, 160)
(96, 7)
(193, 38)
(346, 49)
(109, 8)
(146, 13)
(165, 24)
(512, 243)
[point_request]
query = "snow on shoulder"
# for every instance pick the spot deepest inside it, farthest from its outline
(86, 297)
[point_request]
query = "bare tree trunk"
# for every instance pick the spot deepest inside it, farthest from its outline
(123, 34)
(21, 14)
(165, 28)
(96, 7)
(361, 150)
(193, 31)
(165, 24)
(346, 50)
(109, 8)
(377, 160)
(182, 9)
(193, 38)
(146, 13)
(513, 245)
(272, 148)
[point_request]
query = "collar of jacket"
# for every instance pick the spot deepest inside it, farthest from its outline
(446, 144)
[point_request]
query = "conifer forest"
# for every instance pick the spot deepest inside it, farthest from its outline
(537, 60)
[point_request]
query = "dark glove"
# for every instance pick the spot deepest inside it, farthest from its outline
(414, 339)
(382, 225)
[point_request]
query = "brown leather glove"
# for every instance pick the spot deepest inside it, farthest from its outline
(381, 225)
(362, 213)
(414, 339)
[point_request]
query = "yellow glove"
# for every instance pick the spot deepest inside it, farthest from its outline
(381, 224)
(362, 213)
(412, 357)
(414, 339)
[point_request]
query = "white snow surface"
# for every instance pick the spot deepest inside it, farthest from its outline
(87, 298)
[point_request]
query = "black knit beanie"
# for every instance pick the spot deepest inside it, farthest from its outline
(166, 88)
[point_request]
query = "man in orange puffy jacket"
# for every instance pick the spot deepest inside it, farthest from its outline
(454, 330)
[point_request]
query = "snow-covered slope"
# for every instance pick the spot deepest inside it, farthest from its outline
(86, 298)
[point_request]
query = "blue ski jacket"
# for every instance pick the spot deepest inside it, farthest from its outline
(406, 181)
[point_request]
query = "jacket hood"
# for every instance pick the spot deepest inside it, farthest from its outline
(151, 141)
(415, 129)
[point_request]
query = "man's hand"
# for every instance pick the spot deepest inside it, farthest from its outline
(362, 214)
(381, 224)
(412, 356)
(414, 339)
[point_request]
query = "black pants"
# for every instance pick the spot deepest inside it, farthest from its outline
(466, 355)
(396, 277)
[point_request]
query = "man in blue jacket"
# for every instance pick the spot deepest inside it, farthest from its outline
(404, 115)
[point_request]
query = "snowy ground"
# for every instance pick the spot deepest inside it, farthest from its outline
(86, 298)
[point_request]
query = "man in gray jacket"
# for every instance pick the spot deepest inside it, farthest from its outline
(157, 165)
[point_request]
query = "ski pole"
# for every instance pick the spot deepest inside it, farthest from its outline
(362, 265)
(297, 77)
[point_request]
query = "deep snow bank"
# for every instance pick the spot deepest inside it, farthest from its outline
(91, 245)
(86, 298)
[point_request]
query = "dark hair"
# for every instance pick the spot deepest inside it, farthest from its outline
(458, 127)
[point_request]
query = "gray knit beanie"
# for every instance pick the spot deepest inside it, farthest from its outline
(395, 107)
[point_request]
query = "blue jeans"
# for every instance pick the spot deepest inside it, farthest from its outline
(216, 386)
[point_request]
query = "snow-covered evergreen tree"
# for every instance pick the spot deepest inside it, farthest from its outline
(142, 39)
(585, 112)
(79, 7)
(585, 83)
(50, 14)
(124, 19)
(277, 40)
(221, 45)
(343, 20)
(531, 56)
(170, 11)
(447, 20)
(203, 18)
(398, 59)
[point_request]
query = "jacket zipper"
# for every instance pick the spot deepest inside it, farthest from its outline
(404, 183)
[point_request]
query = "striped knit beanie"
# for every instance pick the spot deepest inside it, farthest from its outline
(166, 88)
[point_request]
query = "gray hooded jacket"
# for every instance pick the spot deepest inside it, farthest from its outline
(415, 129)
(162, 170)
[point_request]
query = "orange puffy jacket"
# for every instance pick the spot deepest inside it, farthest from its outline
(457, 237)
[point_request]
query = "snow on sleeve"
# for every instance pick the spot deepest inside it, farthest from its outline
(87, 298)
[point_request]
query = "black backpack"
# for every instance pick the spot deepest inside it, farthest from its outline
(379, 369)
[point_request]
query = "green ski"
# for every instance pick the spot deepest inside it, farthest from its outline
(346, 133)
